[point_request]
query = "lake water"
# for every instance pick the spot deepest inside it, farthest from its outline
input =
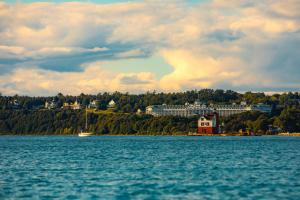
(62, 167)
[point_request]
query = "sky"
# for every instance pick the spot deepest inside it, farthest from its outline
(47, 47)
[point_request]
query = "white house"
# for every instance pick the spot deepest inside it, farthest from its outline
(111, 104)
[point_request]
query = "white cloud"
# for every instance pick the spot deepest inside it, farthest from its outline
(93, 79)
(216, 44)
(45, 52)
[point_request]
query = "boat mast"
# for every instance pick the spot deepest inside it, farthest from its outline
(86, 123)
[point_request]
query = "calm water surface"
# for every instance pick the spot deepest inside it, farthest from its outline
(60, 167)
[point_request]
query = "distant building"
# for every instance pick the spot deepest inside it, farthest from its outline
(15, 104)
(139, 112)
(111, 104)
(66, 105)
(208, 124)
(95, 104)
(76, 105)
(262, 108)
(73, 106)
(226, 110)
(46, 105)
(199, 108)
(186, 110)
(243, 103)
(51, 104)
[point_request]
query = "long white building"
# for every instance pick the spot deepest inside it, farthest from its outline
(198, 108)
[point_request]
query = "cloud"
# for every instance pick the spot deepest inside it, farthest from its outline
(45, 52)
(91, 80)
(225, 35)
(287, 8)
(62, 32)
(194, 70)
(220, 44)
(131, 53)
(134, 79)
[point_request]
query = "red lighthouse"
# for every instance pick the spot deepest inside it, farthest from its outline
(208, 124)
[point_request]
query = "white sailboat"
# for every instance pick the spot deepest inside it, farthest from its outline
(85, 133)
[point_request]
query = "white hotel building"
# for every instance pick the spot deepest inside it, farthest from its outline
(197, 108)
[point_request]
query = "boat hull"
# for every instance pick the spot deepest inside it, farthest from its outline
(85, 134)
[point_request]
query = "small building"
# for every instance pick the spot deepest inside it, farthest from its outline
(66, 105)
(74, 106)
(51, 104)
(15, 104)
(262, 108)
(139, 112)
(111, 104)
(95, 104)
(243, 103)
(208, 124)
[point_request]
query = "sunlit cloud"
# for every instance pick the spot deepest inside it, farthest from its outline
(46, 48)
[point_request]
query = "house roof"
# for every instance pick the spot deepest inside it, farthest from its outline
(112, 102)
(207, 116)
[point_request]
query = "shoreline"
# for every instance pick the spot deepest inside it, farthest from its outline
(162, 135)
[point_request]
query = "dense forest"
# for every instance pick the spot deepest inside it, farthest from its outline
(30, 117)
(72, 122)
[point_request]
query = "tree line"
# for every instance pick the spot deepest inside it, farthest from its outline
(288, 120)
(30, 118)
(72, 122)
(131, 102)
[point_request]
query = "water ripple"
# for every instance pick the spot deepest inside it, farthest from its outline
(149, 168)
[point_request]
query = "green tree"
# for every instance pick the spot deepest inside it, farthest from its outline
(288, 119)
